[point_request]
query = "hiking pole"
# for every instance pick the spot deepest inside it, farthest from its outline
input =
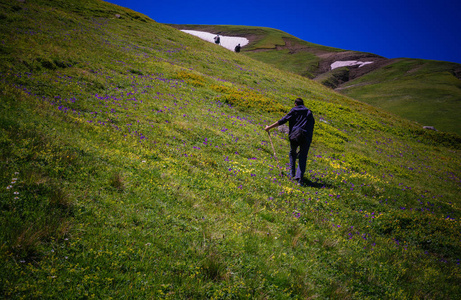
(275, 155)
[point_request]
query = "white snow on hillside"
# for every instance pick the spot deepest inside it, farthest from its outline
(228, 42)
(349, 63)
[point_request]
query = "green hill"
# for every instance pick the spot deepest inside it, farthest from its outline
(422, 90)
(425, 91)
(134, 164)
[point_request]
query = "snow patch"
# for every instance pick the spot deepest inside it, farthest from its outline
(349, 63)
(228, 42)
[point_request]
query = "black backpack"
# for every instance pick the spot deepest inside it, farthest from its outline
(298, 135)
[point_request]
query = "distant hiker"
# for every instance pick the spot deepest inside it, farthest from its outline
(237, 48)
(217, 40)
(301, 129)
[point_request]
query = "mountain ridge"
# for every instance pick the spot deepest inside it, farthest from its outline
(437, 108)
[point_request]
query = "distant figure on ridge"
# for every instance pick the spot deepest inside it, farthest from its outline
(217, 40)
(237, 48)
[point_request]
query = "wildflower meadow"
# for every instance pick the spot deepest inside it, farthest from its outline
(134, 164)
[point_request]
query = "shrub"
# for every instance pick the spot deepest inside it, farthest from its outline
(246, 98)
(191, 78)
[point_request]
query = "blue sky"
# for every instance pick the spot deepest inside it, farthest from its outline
(428, 29)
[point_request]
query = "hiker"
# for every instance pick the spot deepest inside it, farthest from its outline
(217, 40)
(301, 128)
(237, 48)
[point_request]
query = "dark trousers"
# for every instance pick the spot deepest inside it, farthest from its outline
(302, 158)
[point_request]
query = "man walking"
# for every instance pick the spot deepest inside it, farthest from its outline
(301, 129)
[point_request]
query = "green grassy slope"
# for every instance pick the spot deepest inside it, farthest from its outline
(268, 45)
(421, 90)
(302, 63)
(261, 37)
(134, 165)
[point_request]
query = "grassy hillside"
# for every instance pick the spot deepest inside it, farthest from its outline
(269, 45)
(424, 91)
(134, 164)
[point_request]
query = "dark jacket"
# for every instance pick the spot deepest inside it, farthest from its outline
(300, 117)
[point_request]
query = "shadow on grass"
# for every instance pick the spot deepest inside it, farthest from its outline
(316, 184)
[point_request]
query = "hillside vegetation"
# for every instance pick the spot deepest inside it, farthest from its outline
(273, 46)
(134, 164)
(425, 91)
(422, 90)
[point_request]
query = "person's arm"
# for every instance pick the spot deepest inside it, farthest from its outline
(269, 127)
(280, 122)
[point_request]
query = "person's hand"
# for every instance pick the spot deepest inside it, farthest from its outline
(267, 128)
